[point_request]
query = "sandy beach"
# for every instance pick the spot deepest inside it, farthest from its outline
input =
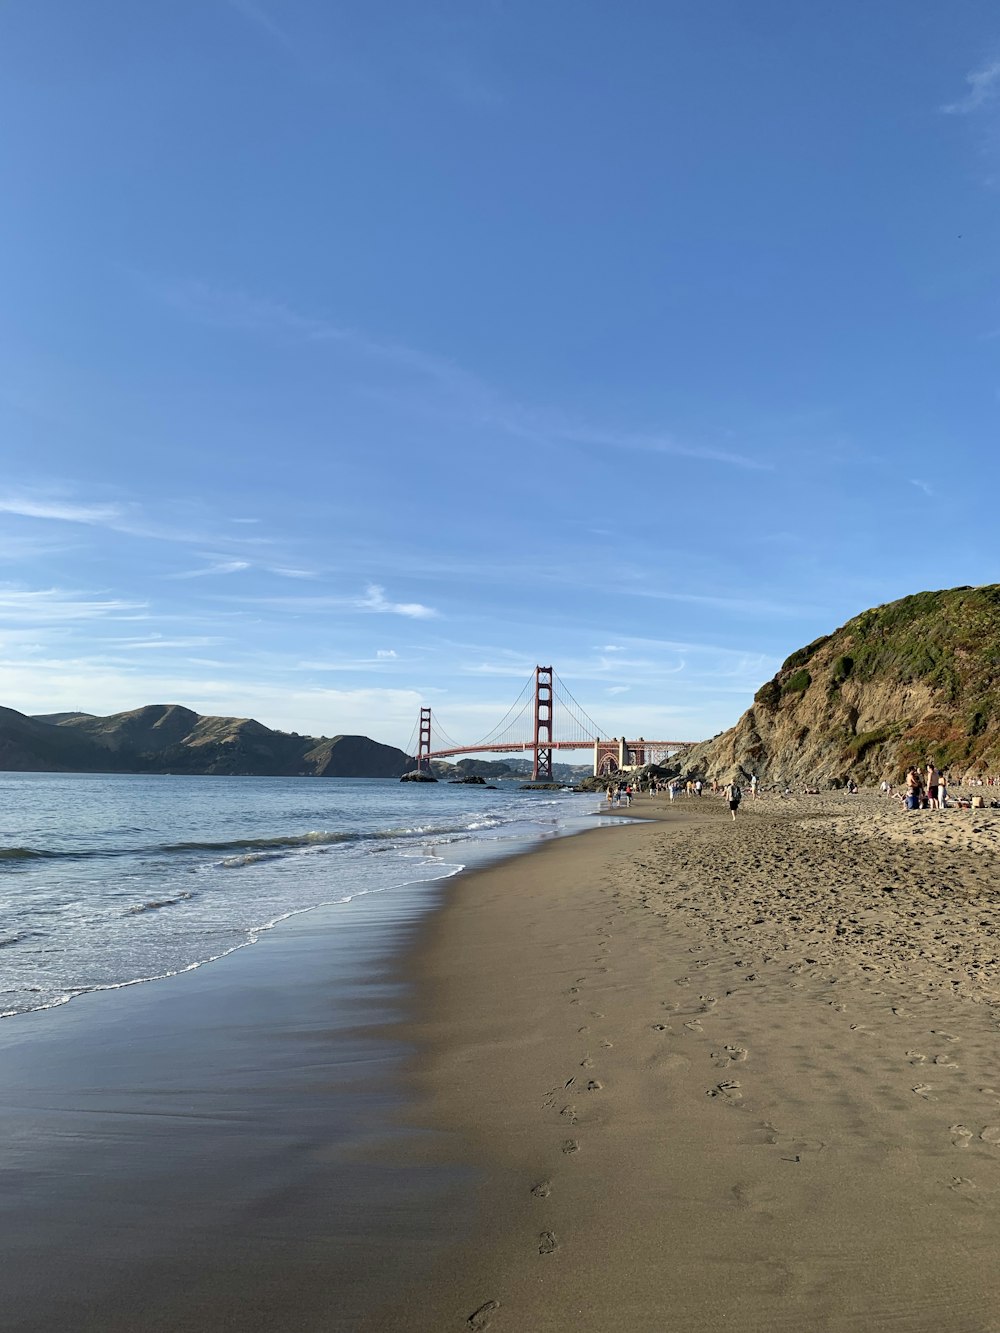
(673, 1073)
(720, 1075)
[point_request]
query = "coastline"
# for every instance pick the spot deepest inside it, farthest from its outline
(676, 1071)
(708, 1074)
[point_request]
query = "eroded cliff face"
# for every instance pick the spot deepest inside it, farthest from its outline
(914, 680)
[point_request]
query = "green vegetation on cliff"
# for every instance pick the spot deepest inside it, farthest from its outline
(899, 684)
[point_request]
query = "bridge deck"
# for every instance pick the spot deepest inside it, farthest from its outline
(640, 744)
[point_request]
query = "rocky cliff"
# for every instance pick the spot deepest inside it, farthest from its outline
(166, 738)
(899, 684)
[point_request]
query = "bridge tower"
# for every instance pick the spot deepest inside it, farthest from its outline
(424, 748)
(543, 724)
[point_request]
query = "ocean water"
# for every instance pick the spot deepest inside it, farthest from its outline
(114, 880)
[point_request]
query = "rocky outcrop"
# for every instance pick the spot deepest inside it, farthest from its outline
(913, 680)
(166, 738)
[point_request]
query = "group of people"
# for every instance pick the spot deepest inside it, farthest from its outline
(620, 793)
(926, 790)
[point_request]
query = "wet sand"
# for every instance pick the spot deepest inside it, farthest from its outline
(678, 1074)
(217, 1151)
(720, 1075)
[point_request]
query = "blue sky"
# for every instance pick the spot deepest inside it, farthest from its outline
(357, 356)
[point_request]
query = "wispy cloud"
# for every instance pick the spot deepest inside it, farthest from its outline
(386, 652)
(62, 511)
(376, 600)
(246, 313)
(984, 88)
(56, 604)
(217, 567)
(258, 16)
(156, 642)
(921, 486)
(479, 401)
(287, 573)
(662, 444)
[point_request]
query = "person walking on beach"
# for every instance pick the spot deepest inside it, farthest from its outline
(753, 786)
(914, 789)
(733, 796)
(942, 790)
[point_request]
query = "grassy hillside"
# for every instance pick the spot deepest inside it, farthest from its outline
(901, 683)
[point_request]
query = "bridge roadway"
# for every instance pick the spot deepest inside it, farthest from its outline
(510, 747)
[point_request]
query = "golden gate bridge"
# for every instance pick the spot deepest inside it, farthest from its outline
(529, 725)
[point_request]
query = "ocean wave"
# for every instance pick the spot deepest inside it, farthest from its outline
(154, 904)
(252, 936)
(246, 848)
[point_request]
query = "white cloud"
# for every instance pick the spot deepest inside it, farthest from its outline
(54, 605)
(984, 87)
(218, 567)
(375, 600)
(386, 652)
(921, 486)
(60, 510)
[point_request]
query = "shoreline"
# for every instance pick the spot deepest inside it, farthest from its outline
(689, 1101)
(631, 1074)
(226, 1142)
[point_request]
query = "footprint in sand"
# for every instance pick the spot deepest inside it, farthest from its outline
(707, 1002)
(586, 1063)
(960, 1136)
(964, 1186)
(570, 1145)
(923, 1090)
(991, 1135)
(480, 1318)
(682, 981)
(694, 1025)
(991, 1092)
(659, 1027)
(594, 1085)
(945, 1036)
(569, 1113)
(542, 1190)
(944, 1062)
(581, 1031)
(607, 1045)
(730, 1055)
(547, 1243)
(729, 1090)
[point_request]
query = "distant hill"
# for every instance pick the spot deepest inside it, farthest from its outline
(166, 738)
(915, 679)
